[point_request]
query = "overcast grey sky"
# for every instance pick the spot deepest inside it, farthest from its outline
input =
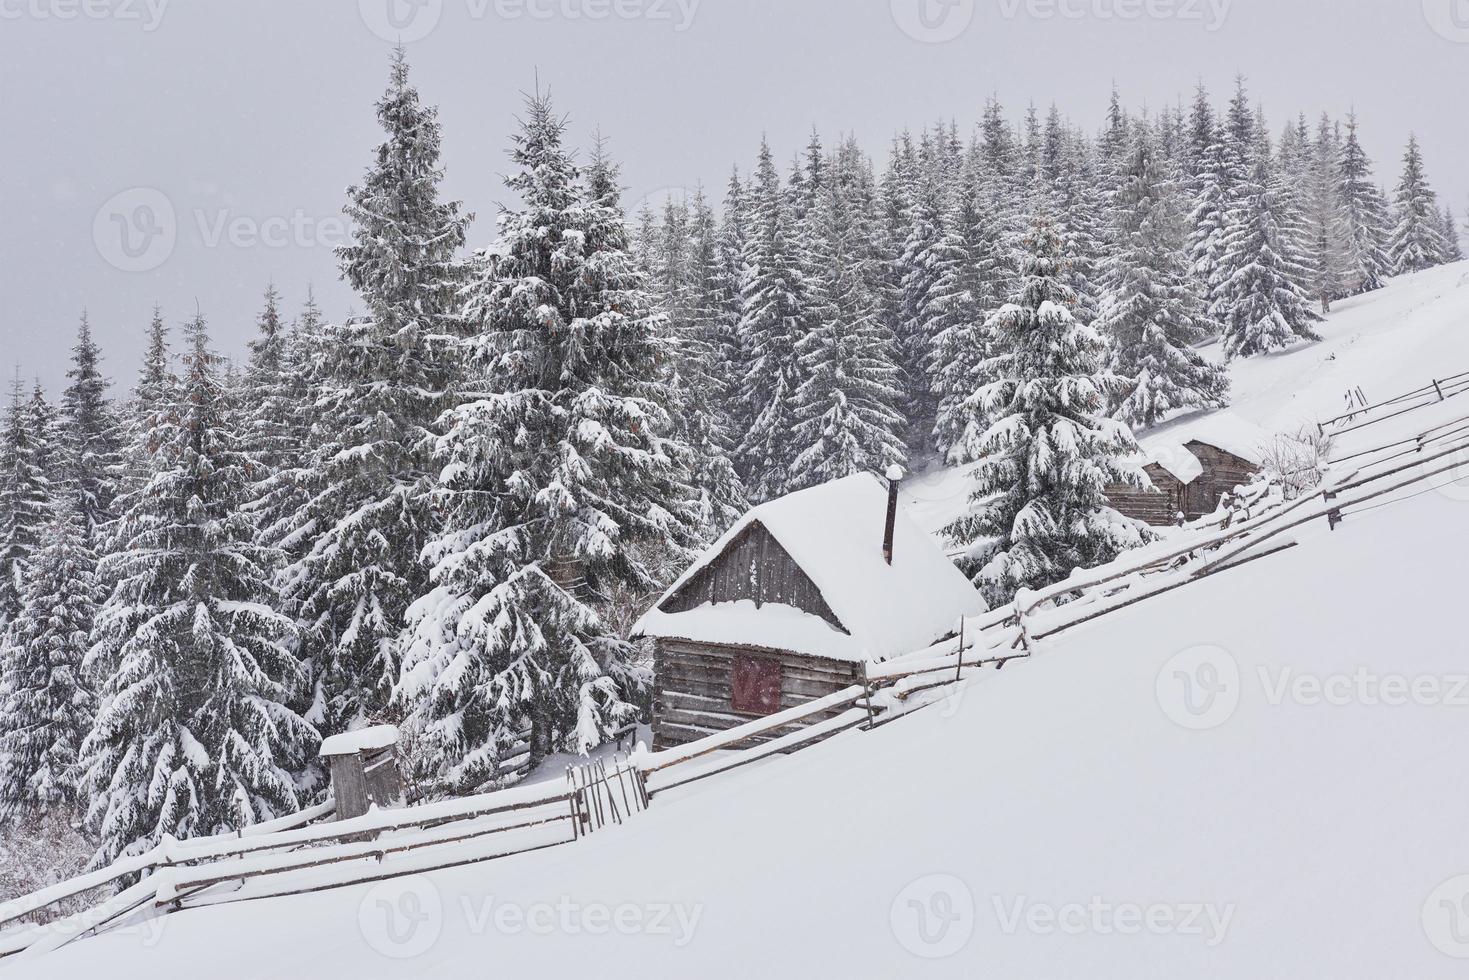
(248, 119)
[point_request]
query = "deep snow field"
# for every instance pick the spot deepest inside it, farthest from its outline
(1259, 775)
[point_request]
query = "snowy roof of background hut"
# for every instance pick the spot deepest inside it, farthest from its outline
(1222, 430)
(834, 533)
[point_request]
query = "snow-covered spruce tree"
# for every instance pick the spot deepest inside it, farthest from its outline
(1361, 218)
(383, 380)
(702, 417)
(26, 453)
(1417, 240)
(917, 331)
(1453, 251)
(555, 472)
(280, 392)
(734, 359)
(973, 280)
(1152, 310)
(46, 704)
(846, 408)
(1258, 296)
(1215, 186)
(193, 735)
(1326, 246)
(773, 320)
(90, 446)
(1040, 509)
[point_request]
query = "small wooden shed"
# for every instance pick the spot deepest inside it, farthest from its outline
(790, 603)
(1191, 467)
(364, 768)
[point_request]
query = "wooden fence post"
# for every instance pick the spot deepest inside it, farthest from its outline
(1333, 517)
(867, 696)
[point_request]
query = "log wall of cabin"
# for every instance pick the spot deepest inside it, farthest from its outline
(753, 566)
(693, 686)
(1158, 506)
(1223, 472)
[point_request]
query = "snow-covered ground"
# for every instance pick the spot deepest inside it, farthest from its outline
(1385, 343)
(1258, 775)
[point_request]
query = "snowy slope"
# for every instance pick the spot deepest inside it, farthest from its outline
(1038, 822)
(1387, 342)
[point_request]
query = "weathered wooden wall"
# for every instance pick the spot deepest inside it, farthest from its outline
(1223, 472)
(753, 566)
(1158, 507)
(692, 688)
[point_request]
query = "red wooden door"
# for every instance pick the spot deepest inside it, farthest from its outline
(755, 685)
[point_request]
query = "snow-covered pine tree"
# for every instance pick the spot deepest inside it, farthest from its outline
(280, 391)
(1152, 310)
(90, 447)
(917, 266)
(846, 413)
(734, 353)
(384, 379)
(973, 278)
(1417, 240)
(773, 320)
(193, 735)
(1326, 248)
(46, 704)
(704, 422)
(1216, 185)
(1361, 218)
(1258, 294)
(1453, 251)
(1040, 507)
(555, 474)
(1080, 211)
(26, 452)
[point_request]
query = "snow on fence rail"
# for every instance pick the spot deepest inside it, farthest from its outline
(299, 853)
(1437, 390)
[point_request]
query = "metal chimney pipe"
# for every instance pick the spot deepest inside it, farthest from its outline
(895, 476)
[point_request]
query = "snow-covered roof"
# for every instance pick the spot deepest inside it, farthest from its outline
(834, 533)
(362, 740)
(1222, 430)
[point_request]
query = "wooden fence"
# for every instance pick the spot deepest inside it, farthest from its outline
(303, 852)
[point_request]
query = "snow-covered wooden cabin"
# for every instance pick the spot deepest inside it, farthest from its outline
(1191, 468)
(791, 601)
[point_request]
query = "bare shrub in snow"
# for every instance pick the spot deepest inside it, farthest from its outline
(1296, 463)
(36, 852)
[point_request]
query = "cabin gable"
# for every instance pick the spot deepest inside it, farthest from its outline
(752, 566)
